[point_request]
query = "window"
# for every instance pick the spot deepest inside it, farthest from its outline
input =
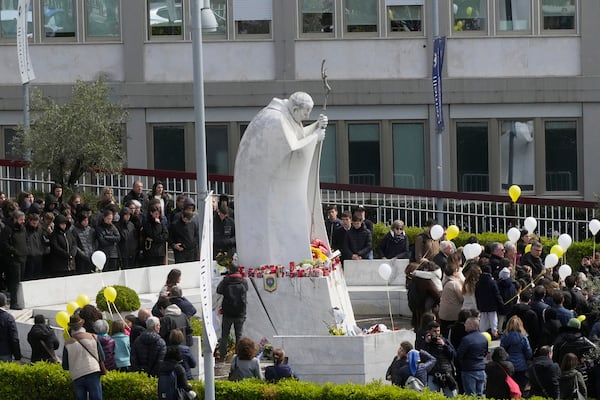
(9, 151)
(360, 15)
(469, 15)
(253, 17)
(8, 19)
(317, 16)
(165, 19)
(561, 155)
(328, 170)
(219, 8)
(472, 157)
(169, 147)
(559, 14)
(517, 154)
(60, 18)
(514, 15)
(405, 16)
(103, 19)
(409, 155)
(363, 154)
(217, 149)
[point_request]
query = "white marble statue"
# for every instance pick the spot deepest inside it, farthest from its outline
(276, 184)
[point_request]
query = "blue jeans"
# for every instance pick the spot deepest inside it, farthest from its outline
(473, 382)
(89, 383)
(435, 388)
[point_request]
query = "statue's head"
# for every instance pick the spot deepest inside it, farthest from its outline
(301, 105)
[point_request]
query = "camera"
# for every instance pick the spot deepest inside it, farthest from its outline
(434, 337)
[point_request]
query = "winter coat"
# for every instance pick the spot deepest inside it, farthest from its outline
(108, 346)
(122, 350)
(187, 235)
(175, 319)
(184, 305)
(87, 242)
(394, 246)
(487, 294)
(63, 249)
(472, 352)
(495, 386)
(394, 371)
(108, 239)
(148, 352)
(425, 246)
(42, 333)
(165, 388)
(130, 237)
(155, 235)
(451, 300)
(518, 349)
(189, 361)
(508, 291)
(37, 244)
(426, 364)
(223, 235)
(13, 242)
(569, 380)
(548, 378)
(357, 241)
(228, 308)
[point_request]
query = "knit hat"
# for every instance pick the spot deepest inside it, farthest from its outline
(574, 323)
(504, 273)
(413, 360)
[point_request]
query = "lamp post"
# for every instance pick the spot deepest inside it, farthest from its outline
(202, 18)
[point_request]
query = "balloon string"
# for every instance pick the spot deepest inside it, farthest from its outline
(390, 305)
(525, 288)
(118, 313)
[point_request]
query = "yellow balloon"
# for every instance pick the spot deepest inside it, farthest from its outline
(452, 232)
(514, 192)
(487, 336)
(557, 250)
(62, 319)
(83, 300)
(581, 318)
(469, 11)
(72, 307)
(110, 293)
(527, 248)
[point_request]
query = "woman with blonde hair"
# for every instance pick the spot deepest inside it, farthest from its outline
(515, 342)
(280, 368)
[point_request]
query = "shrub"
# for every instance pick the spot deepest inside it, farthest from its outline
(127, 299)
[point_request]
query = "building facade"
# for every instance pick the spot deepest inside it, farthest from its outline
(521, 83)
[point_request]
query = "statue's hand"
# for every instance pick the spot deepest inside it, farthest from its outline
(320, 134)
(322, 121)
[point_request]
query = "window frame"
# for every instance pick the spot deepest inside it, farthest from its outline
(168, 38)
(489, 17)
(96, 39)
(378, 17)
(579, 150)
(397, 34)
(521, 32)
(76, 38)
(315, 35)
(424, 155)
(559, 32)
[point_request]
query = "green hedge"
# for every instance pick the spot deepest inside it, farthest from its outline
(49, 381)
(573, 256)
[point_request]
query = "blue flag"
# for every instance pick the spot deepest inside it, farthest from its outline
(439, 46)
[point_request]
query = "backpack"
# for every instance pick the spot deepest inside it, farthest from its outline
(167, 386)
(414, 383)
(234, 299)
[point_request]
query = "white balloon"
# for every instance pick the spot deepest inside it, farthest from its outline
(476, 249)
(565, 241)
(436, 232)
(385, 271)
(530, 224)
(471, 250)
(564, 271)
(454, 8)
(513, 235)
(99, 259)
(550, 261)
(594, 226)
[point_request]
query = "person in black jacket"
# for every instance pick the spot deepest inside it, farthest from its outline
(87, 243)
(148, 350)
(233, 287)
(130, 238)
(176, 297)
(395, 243)
(339, 234)
(42, 340)
(9, 336)
(223, 232)
(358, 240)
(13, 240)
(137, 193)
(496, 370)
(63, 248)
(108, 240)
(184, 238)
(171, 377)
(37, 246)
(544, 374)
(155, 236)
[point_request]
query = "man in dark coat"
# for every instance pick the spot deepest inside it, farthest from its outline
(13, 240)
(471, 354)
(184, 238)
(137, 193)
(63, 248)
(358, 240)
(533, 259)
(233, 287)
(489, 300)
(42, 340)
(9, 336)
(544, 374)
(339, 235)
(223, 232)
(332, 222)
(395, 243)
(148, 350)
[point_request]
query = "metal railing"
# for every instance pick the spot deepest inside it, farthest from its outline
(472, 212)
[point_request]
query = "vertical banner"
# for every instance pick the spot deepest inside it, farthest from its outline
(439, 46)
(25, 67)
(206, 259)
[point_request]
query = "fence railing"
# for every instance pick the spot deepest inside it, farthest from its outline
(472, 212)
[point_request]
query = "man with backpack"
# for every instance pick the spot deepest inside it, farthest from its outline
(233, 287)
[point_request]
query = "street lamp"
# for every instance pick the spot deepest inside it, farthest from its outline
(202, 19)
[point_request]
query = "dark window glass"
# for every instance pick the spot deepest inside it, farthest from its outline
(169, 148)
(561, 155)
(9, 151)
(363, 148)
(328, 170)
(409, 155)
(472, 157)
(217, 149)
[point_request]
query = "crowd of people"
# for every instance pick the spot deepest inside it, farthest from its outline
(53, 236)
(548, 328)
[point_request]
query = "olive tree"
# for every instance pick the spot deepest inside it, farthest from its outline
(84, 134)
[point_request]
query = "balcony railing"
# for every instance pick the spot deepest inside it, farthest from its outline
(472, 212)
